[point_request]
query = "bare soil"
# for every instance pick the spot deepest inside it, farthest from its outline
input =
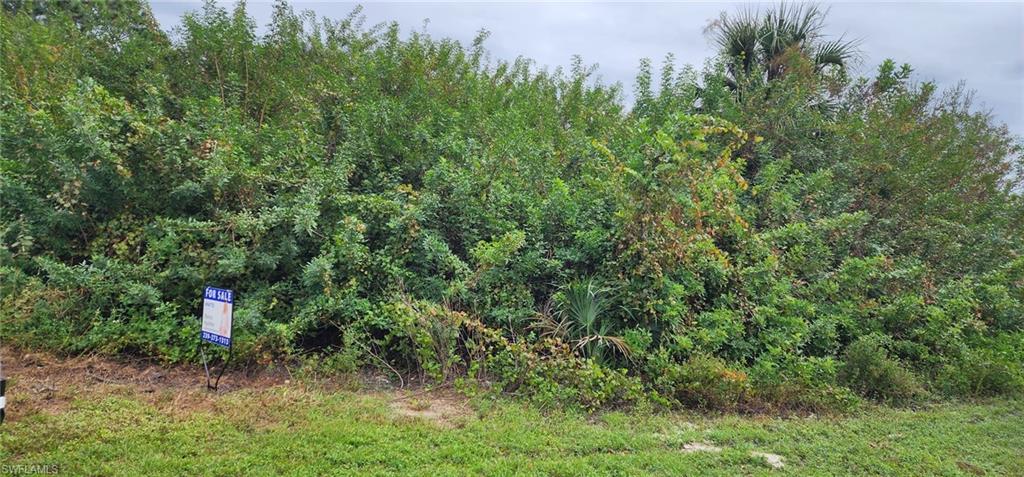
(41, 382)
(445, 409)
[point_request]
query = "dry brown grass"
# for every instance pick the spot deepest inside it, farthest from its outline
(44, 383)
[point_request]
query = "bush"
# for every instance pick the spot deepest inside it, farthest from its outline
(802, 384)
(980, 377)
(316, 368)
(549, 373)
(702, 381)
(869, 371)
(989, 368)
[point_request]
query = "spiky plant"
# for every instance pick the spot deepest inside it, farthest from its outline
(758, 41)
(579, 317)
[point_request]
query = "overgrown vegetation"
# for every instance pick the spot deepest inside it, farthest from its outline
(765, 232)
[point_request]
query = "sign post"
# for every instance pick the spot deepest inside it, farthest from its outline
(3, 392)
(218, 311)
(3, 397)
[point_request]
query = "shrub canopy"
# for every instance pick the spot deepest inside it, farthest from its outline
(411, 203)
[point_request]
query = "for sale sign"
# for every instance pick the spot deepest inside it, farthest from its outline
(217, 309)
(3, 398)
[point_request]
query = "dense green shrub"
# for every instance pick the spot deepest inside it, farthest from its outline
(703, 381)
(771, 236)
(800, 384)
(989, 368)
(868, 370)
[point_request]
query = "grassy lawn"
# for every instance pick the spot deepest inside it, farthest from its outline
(295, 431)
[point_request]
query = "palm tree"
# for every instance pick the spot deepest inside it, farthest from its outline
(762, 39)
(580, 319)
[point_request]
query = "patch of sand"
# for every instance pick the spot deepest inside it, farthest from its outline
(773, 460)
(443, 409)
(701, 447)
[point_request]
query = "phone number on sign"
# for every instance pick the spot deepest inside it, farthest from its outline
(207, 336)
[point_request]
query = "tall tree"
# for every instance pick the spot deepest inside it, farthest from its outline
(756, 41)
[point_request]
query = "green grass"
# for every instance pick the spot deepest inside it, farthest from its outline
(295, 432)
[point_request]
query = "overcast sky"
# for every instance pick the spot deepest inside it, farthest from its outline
(981, 43)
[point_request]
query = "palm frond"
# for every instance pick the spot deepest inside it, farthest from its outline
(585, 303)
(806, 23)
(582, 318)
(839, 53)
(751, 38)
(739, 37)
(616, 343)
(550, 324)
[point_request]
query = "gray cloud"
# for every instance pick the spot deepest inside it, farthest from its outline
(980, 43)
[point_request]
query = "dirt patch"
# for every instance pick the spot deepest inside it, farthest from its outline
(700, 447)
(43, 383)
(773, 460)
(444, 409)
(40, 382)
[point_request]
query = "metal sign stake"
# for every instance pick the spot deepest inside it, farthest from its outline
(206, 367)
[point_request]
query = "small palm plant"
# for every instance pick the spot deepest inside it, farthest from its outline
(579, 316)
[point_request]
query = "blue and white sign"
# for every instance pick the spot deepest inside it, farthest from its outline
(3, 398)
(218, 306)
